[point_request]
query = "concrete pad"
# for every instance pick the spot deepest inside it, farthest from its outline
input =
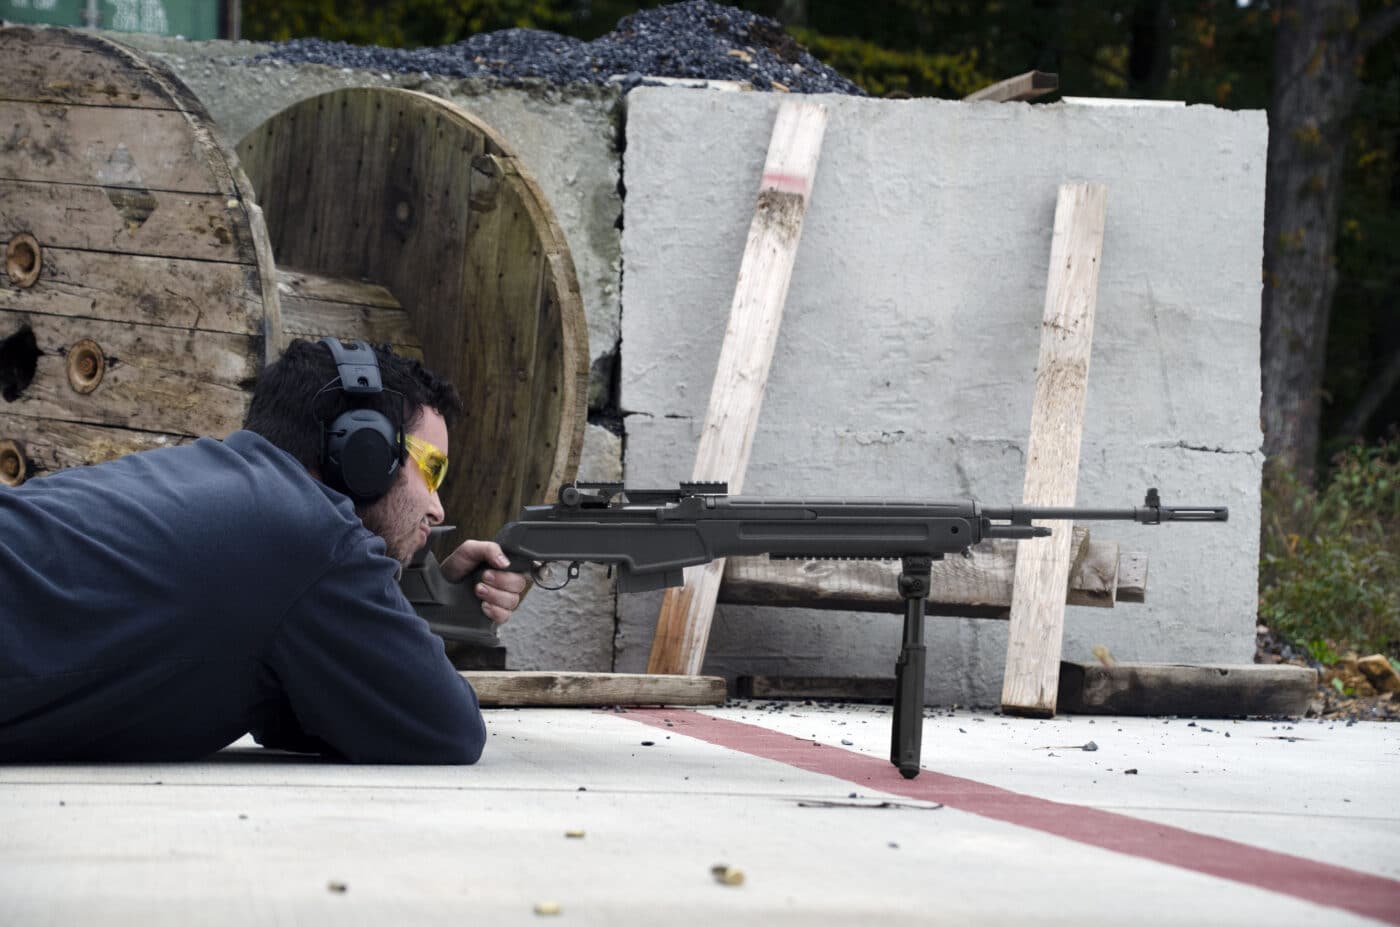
(256, 837)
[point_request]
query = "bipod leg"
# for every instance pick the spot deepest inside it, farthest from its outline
(906, 737)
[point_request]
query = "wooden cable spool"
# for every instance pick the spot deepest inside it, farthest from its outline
(140, 298)
(132, 306)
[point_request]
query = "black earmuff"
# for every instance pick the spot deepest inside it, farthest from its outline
(361, 450)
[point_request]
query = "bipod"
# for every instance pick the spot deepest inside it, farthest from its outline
(906, 735)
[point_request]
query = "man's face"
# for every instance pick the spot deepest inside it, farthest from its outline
(402, 517)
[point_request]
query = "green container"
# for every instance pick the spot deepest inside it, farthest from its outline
(193, 19)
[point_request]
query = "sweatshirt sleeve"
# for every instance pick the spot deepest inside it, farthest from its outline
(363, 674)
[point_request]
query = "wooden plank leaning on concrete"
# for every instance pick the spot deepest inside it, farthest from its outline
(683, 627)
(1052, 458)
(1025, 86)
(979, 587)
(1169, 689)
(548, 689)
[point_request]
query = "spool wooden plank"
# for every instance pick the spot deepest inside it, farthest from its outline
(1025, 86)
(975, 588)
(505, 341)
(299, 284)
(315, 319)
(683, 627)
(141, 149)
(315, 306)
(429, 203)
(1052, 461)
(561, 332)
(156, 379)
(1234, 691)
(59, 445)
(545, 411)
(273, 335)
(45, 53)
(556, 690)
(203, 295)
(119, 220)
(60, 66)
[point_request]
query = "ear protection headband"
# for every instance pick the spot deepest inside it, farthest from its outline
(361, 451)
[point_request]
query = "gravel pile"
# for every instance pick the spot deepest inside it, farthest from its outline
(696, 39)
(1350, 698)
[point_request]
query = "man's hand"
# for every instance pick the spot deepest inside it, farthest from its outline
(499, 590)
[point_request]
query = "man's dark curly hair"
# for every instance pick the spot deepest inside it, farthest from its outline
(289, 407)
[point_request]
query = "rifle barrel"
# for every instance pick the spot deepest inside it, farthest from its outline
(1146, 515)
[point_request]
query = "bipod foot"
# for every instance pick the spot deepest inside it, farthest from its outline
(908, 772)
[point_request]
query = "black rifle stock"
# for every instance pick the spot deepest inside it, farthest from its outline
(651, 536)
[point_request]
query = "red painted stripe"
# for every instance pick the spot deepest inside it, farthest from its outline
(785, 183)
(1321, 883)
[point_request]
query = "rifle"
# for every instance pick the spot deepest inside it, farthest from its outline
(650, 536)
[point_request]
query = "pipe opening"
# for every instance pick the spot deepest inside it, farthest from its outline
(19, 358)
(22, 260)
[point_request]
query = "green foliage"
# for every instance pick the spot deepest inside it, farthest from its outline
(1330, 566)
(394, 23)
(883, 71)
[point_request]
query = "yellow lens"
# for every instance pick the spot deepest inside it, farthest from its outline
(431, 461)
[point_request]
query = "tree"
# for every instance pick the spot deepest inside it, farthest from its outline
(1319, 51)
(400, 23)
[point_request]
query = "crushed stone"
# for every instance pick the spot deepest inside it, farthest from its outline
(692, 40)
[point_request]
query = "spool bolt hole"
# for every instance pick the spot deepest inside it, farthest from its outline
(86, 366)
(13, 467)
(23, 260)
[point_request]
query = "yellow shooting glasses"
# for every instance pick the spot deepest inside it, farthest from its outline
(429, 459)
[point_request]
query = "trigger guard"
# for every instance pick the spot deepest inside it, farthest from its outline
(537, 573)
